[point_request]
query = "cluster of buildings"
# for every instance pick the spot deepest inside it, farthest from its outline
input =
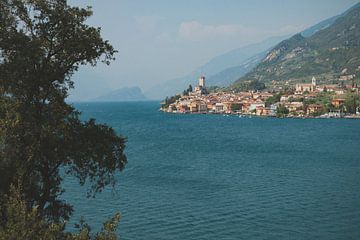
(256, 103)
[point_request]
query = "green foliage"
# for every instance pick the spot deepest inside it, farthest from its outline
(108, 231)
(190, 89)
(42, 43)
(352, 102)
(273, 99)
(187, 91)
(24, 222)
(324, 99)
(235, 107)
(212, 89)
(253, 85)
(281, 111)
(170, 100)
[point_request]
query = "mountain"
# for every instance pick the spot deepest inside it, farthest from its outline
(231, 74)
(326, 54)
(122, 95)
(326, 23)
(220, 70)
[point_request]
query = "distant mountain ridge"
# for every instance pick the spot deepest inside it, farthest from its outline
(122, 95)
(231, 74)
(326, 23)
(219, 71)
(326, 54)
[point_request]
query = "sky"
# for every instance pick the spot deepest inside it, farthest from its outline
(159, 40)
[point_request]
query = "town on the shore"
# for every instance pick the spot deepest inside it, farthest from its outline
(303, 100)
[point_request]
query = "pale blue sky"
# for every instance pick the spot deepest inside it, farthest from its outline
(159, 40)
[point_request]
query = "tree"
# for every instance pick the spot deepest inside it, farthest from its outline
(352, 102)
(190, 89)
(42, 44)
(25, 223)
(281, 111)
(273, 99)
(170, 100)
(235, 107)
(252, 85)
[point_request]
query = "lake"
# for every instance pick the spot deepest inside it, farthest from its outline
(218, 177)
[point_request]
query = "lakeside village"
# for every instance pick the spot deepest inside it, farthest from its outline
(308, 100)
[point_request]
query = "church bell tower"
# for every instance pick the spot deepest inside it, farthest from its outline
(313, 81)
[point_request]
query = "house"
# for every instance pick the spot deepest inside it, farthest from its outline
(266, 95)
(274, 107)
(219, 107)
(182, 108)
(328, 88)
(227, 106)
(202, 106)
(210, 106)
(284, 98)
(347, 77)
(337, 102)
(294, 106)
(171, 108)
(263, 111)
(253, 106)
(314, 108)
(245, 107)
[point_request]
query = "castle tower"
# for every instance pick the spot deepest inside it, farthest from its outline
(202, 81)
(313, 81)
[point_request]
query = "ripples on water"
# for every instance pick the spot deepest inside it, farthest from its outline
(215, 177)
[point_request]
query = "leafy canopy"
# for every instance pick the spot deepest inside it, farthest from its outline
(42, 44)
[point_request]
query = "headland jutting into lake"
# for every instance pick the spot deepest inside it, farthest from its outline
(303, 100)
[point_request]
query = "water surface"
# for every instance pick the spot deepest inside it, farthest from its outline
(217, 177)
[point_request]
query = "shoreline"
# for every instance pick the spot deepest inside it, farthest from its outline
(244, 115)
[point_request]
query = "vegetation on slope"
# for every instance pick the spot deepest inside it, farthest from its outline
(327, 54)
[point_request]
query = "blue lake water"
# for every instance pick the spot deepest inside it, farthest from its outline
(217, 177)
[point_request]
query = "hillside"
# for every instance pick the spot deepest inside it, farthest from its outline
(122, 95)
(326, 54)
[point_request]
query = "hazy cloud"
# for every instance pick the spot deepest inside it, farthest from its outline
(196, 31)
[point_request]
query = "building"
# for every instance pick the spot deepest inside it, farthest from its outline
(347, 77)
(300, 88)
(253, 106)
(263, 111)
(337, 102)
(314, 108)
(328, 88)
(182, 108)
(202, 81)
(200, 88)
(202, 106)
(194, 107)
(294, 106)
(313, 81)
(219, 107)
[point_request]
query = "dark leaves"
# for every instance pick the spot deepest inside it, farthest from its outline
(42, 43)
